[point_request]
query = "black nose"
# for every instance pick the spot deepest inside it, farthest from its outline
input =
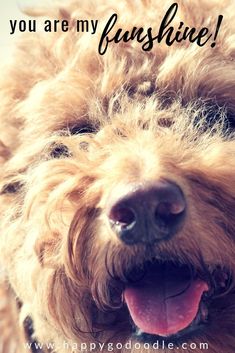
(148, 213)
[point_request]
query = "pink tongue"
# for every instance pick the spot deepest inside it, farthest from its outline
(166, 302)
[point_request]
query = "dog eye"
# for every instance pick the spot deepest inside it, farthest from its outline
(83, 129)
(214, 115)
(59, 151)
(230, 120)
(11, 188)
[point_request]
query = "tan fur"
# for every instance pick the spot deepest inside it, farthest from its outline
(54, 236)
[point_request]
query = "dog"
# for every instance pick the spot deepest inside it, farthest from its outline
(117, 185)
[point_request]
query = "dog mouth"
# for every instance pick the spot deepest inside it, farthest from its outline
(168, 299)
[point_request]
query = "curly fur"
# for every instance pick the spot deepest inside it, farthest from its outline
(148, 117)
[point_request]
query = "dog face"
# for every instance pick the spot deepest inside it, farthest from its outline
(118, 195)
(150, 251)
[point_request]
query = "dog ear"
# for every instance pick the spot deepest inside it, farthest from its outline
(69, 305)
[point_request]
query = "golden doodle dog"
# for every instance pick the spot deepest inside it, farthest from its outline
(117, 224)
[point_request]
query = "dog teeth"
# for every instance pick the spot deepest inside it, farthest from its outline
(138, 332)
(203, 312)
(221, 277)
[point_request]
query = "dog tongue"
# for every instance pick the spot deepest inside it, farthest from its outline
(166, 301)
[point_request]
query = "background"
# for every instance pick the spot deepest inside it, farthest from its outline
(10, 10)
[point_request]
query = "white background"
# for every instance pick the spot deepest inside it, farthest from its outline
(10, 10)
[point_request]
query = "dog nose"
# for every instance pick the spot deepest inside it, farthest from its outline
(148, 213)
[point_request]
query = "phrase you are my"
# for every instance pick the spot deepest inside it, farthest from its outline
(146, 36)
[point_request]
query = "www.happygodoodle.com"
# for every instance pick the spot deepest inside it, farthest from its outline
(110, 347)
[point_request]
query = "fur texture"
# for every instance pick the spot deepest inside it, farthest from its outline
(77, 127)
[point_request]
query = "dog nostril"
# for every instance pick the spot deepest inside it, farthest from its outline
(123, 216)
(168, 214)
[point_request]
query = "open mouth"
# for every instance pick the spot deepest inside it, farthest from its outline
(169, 299)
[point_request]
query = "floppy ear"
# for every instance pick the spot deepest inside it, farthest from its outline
(70, 305)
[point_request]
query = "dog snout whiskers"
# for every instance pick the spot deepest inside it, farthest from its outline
(148, 212)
